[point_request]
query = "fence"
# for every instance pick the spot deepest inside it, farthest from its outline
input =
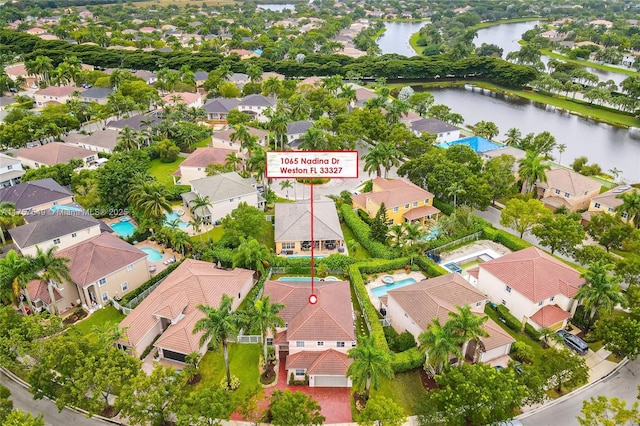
(249, 339)
(456, 242)
(139, 298)
(119, 307)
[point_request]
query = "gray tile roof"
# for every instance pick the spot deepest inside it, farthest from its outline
(30, 194)
(297, 127)
(6, 160)
(432, 125)
(258, 100)
(221, 105)
(107, 138)
(49, 225)
(134, 122)
(293, 221)
(97, 93)
(238, 76)
(224, 186)
(201, 75)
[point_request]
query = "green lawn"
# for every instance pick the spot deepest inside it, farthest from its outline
(216, 234)
(362, 253)
(203, 143)
(243, 363)
(108, 314)
(589, 63)
(163, 171)
(405, 389)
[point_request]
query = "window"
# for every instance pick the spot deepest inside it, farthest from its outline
(406, 315)
(74, 235)
(105, 297)
(231, 200)
(340, 344)
(269, 340)
(609, 209)
(596, 205)
(540, 302)
(102, 281)
(406, 206)
(558, 191)
(130, 267)
(426, 201)
(10, 167)
(415, 204)
(478, 303)
(552, 298)
(504, 302)
(239, 296)
(395, 210)
(624, 215)
(508, 289)
(567, 195)
(288, 246)
(199, 169)
(124, 286)
(320, 344)
(299, 372)
(299, 344)
(56, 241)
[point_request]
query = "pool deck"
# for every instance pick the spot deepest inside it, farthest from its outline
(466, 253)
(398, 276)
(166, 255)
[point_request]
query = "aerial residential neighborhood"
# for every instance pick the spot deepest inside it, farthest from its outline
(479, 265)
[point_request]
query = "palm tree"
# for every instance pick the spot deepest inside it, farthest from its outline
(313, 140)
(438, 342)
(264, 315)
(397, 235)
(561, 148)
(251, 254)
(128, 139)
(41, 66)
(514, 136)
(286, 184)
(631, 206)
(382, 155)
(615, 172)
(232, 161)
(531, 170)
(602, 290)
(467, 326)
(15, 273)
(257, 164)
(455, 189)
(278, 125)
(180, 241)
(218, 326)
(373, 162)
(151, 199)
(199, 202)
(50, 268)
(546, 334)
(370, 365)
(8, 218)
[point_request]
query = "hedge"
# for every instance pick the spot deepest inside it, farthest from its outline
(445, 208)
(511, 321)
(361, 231)
(377, 332)
(531, 332)
(407, 360)
(506, 239)
(134, 293)
(429, 267)
(382, 265)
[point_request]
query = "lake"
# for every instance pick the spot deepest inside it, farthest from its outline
(605, 145)
(396, 38)
(277, 7)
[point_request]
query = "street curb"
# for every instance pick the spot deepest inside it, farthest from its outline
(26, 385)
(572, 393)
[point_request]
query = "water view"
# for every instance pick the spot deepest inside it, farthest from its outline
(277, 7)
(396, 38)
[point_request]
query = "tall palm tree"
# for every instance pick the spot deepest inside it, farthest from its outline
(370, 364)
(180, 241)
(602, 290)
(41, 66)
(232, 161)
(397, 235)
(314, 140)
(514, 136)
(467, 326)
(251, 254)
(15, 273)
(561, 148)
(438, 342)
(49, 268)
(218, 326)
(455, 189)
(128, 139)
(278, 125)
(264, 315)
(8, 218)
(258, 164)
(373, 161)
(151, 199)
(631, 206)
(199, 202)
(532, 169)
(286, 184)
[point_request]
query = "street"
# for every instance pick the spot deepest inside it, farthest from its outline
(622, 384)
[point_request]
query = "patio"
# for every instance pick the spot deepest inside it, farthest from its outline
(167, 255)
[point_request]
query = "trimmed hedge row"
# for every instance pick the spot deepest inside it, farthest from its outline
(361, 231)
(372, 314)
(381, 265)
(511, 321)
(445, 208)
(506, 239)
(134, 293)
(429, 267)
(531, 332)
(407, 360)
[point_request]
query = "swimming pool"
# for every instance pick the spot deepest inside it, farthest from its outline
(170, 217)
(307, 279)
(382, 290)
(306, 256)
(65, 208)
(153, 255)
(477, 143)
(124, 229)
(431, 235)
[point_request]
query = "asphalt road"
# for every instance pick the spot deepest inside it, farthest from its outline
(622, 384)
(24, 401)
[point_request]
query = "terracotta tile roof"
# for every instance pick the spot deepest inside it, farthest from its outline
(53, 153)
(38, 291)
(569, 181)
(311, 81)
(184, 98)
(99, 257)
(331, 319)
(419, 212)
(329, 362)
(549, 315)
(435, 298)
(363, 94)
(202, 283)
(202, 157)
(393, 193)
(497, 336)
(610, 198)
(174, 306)
(534, 274)
(59, 90)
(179, 337)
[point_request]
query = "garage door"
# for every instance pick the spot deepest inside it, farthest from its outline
(175, 356)
(330, 381)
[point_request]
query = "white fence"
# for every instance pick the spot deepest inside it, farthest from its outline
(119, 307)
(249, 339)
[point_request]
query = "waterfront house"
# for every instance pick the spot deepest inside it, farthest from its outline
(567, 188)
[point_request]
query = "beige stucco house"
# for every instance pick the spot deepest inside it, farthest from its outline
(194, 167)
(567, 188)
(54, 153)
(36, 195)
(608, 202)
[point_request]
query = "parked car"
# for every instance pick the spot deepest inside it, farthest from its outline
(574, 343)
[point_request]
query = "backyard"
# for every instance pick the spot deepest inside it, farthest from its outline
(347, 233)
(405, 389)
(163, 171)
(99, 318)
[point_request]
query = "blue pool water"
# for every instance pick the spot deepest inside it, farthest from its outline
(124, 229)
(432, 235)
(308, 279)
(153, 255)
(169, 217)
(477, 143)
(65, 208)
(382, 291)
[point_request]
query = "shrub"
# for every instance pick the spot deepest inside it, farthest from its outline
(407, 360)
(337, 262)
(502, 237)
(511, 321)
(391, 335)
(174, 192)
(130, 296)
(361, 231)
(445, 208)
(429, 267)
(148, 349)
(531, 332)
(581, 318)
(364, 216)
(381, 265)
(405, 341)
(367, 308)
(235, 383)
(522, 352)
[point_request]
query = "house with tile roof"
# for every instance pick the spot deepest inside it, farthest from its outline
(256, 106)
(56, 94)
(97, 95)
(170, 311)
(53, 153)
(18, 70)
(218, 108)
(535, 286)
(414, 307)
(567, 188)
(295, 131)
(403, 200)
(101, 267)
(186, 98)
(225, 191)
(222, 139)
(293, 223)
(10, 171)
(444, 132)
(135, 122)
(36, 195)
(316, 338)
(608, 202)
(99, 141)
(194, 167)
